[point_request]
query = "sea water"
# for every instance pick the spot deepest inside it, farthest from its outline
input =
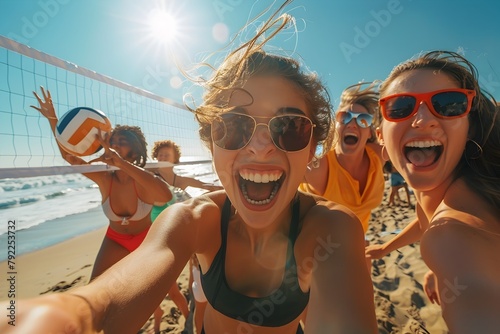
(46, 208)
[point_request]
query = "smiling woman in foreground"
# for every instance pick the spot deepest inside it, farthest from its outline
(442, 134)
(270, 256)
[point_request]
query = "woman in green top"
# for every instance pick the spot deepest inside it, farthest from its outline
(169, 151)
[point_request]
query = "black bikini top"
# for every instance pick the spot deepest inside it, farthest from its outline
(284, 305)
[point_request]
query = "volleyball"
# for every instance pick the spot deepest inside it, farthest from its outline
(76, 130)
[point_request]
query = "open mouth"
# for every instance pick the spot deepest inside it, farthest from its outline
(423, 153)
(260, 187)
(350, 139)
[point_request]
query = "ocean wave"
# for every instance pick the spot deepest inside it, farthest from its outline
(35, 212)
(31, 199)
(35, 201)
(23, 184)
(8, 204)
(13, 202)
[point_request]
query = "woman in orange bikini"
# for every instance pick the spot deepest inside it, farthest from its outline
(127, 194)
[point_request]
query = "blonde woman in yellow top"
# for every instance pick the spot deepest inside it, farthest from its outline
(351, 173)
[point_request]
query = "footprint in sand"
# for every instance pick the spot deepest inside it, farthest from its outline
(74, 272)
(387, 284)
(63, 285)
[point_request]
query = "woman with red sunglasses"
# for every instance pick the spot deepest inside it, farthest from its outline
(441, 133)
(267, 252)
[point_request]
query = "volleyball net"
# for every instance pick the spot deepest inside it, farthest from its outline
(28, 147)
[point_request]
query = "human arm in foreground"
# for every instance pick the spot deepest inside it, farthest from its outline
(341, 297)
(124, 297)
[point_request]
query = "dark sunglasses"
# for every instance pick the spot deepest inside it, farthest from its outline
(445, 103)
(289, 133)
(362, 119)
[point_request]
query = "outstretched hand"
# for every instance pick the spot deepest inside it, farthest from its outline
(46, 107)
(110, 156)
(375, 251)
(430, 287)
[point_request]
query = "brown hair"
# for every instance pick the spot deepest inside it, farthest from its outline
(367, 97)
(137, 142)
(158, 145)
(480, 162)
(250, 60)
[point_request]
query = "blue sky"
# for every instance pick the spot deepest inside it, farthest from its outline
(343, 41)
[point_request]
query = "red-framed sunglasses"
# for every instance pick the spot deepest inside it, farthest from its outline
(444, 103)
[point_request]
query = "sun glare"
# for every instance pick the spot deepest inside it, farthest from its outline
(162, 26)
(163, 32)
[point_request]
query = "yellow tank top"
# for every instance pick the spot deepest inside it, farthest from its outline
(342, 188)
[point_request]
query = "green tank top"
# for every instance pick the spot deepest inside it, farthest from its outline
(178, 195)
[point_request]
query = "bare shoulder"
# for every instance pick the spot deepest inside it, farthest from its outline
(317, 177)
(321, 218)
(452, 245)
(318, 212)
(377, 148)
(204, 205)
(195, 216)
(330, 246)
(466, 262)
(102, 179)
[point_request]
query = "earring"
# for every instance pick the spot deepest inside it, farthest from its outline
(384, 154)
(314, 163)
(473, 151)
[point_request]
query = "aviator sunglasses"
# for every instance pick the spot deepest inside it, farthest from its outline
(289, 133)
(362, 119)
(445, 103)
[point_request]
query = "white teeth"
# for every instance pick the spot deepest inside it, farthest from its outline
(264, 177)
(424, 143)
(262, 202)
(260, 177)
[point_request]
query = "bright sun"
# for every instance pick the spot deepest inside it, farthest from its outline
(162, 33)
(162, 26)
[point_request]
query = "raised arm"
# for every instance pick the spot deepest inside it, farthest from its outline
(154, 188)
(184, 182)
(46, 108)
(409, 235)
